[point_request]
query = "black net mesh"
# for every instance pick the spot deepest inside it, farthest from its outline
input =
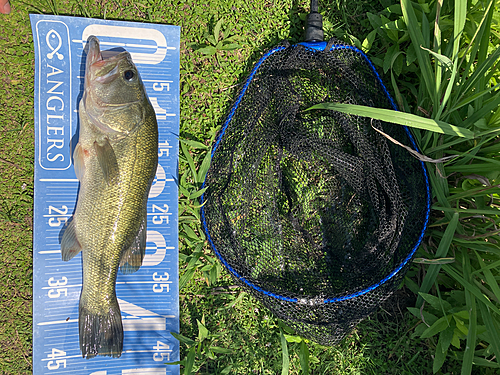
(314, 212)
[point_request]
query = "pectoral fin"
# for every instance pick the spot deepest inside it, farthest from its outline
(78, 162)
(69, 243)
(132, 257)
(107, 160)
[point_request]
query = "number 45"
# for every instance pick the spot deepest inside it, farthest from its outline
(56, 353)
(163, 352)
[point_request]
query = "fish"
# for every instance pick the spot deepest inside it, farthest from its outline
(115, 162)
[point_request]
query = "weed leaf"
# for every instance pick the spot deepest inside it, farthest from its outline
(208, 50)
(202, 331)
(440, 325)
(439, 357)
(217, 30)
(183, 339)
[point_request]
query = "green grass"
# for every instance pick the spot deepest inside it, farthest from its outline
(223, 329)
(16, 193)
(454, 52)
(383, 344)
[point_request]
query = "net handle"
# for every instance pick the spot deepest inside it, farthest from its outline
(314, 24)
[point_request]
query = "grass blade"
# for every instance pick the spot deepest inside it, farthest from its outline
(472, 331)
(395, 117)
(491, 266)
(418, 41)
(447, 94)
(205, 164)
(483, 168)
(455, 141)
(473, 45)
(186, 277)
(479, 73)
(472, 211)
(188, 368)
(286, 359)
(483, 112)
(470, 98)
(484, 46)
(468, 156)
(472, 192)
(304, 357)
(196, 194)
(441, 252)
(190, 161)
(492, 330)
(458, 25)
(474, 290)
(440, 189)
(490, 278)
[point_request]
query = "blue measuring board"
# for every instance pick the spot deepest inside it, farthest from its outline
(149, 298)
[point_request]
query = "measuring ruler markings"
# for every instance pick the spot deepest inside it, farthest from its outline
(148, 298)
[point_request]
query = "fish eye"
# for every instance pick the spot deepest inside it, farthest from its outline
(129, 75)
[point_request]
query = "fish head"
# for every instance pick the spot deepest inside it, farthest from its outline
(114, 94)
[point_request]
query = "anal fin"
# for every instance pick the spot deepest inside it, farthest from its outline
(70, 246)
(132, 257)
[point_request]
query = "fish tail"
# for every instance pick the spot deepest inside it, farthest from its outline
(101, 333)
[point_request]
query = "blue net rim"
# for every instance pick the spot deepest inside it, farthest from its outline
(317, 46)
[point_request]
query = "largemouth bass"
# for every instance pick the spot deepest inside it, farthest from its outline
(115, 161)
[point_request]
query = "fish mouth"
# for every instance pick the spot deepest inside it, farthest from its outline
(100, 68)
(97, 67)
(94, 56)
